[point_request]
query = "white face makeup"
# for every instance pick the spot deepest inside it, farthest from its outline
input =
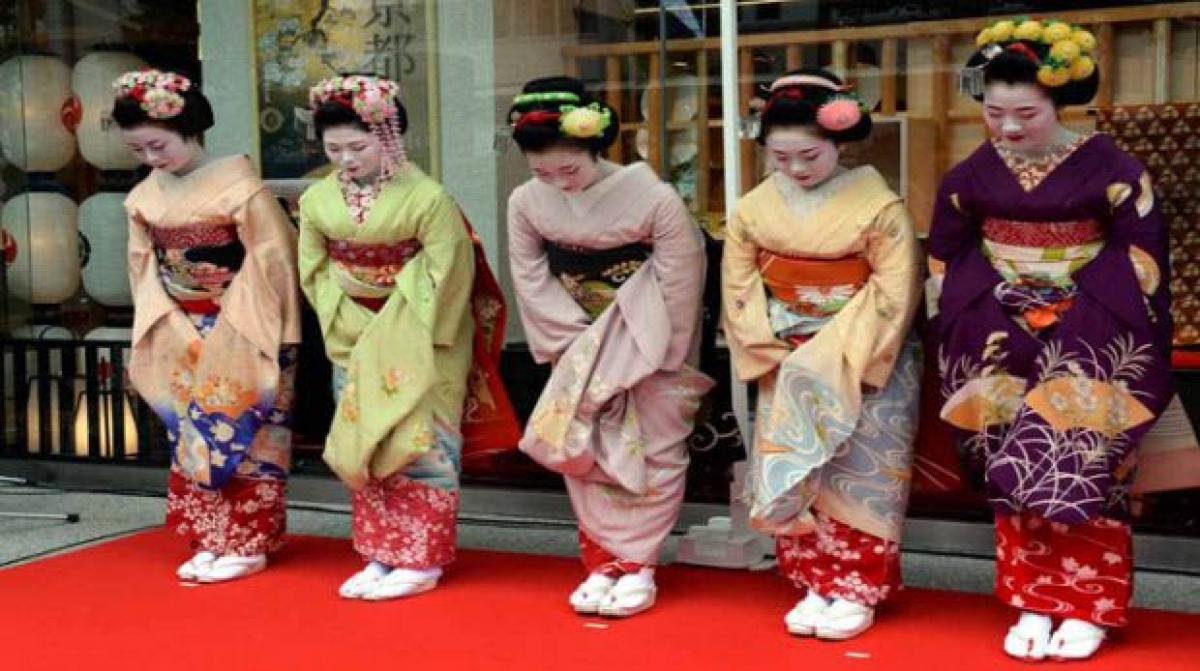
(802, 154)
(356, 152)
(1021, 116)
(567, 169)
(162, 149)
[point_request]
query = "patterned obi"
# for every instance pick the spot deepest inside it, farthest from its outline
(593, 276)
(805, 293)
(1037, 260)
(196, 263)
(367, 271)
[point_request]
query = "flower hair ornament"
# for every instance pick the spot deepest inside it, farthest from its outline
(1069, 58)
(577, 121)
(157, 92)
(373, 99)
(839, 110)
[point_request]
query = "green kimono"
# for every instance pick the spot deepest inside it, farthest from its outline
(405, 365)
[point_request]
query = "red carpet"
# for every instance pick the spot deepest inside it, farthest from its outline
(118, 605)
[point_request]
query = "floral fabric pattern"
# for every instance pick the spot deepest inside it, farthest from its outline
(361, 197)
(840, 562)
(1081, 571)
(1031, 172)
(405, 523)
(246, 517)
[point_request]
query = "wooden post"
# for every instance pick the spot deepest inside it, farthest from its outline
(1106, 61)
(1162, 60)
(840, 60)
(889, 66)
(795, 59)
(654, 126)
(612, 95)
(940, 103)
(749, 170)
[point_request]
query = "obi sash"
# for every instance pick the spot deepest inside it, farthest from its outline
(186, 252)
(1037, 260)
(367, 270)
(806, 292)
(593, 276)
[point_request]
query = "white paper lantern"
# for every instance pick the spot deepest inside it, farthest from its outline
(36, 108)
(41, 247)
(104, 232)
(99, 138)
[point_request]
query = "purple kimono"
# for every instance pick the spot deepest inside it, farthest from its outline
(1053, 324)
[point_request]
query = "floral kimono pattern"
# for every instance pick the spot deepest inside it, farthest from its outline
(819, 289)
(216, 328)
(609, 286)
(1053, 326)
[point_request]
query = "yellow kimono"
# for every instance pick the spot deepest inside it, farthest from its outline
(819, 291)
(405, 366)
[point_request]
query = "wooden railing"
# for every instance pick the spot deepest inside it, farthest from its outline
(921, 92)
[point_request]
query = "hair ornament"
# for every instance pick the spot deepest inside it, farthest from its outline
(157, 92)
(373, 99)
(1069, 59)
(840, 113)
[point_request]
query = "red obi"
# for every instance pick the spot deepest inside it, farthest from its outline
(378, 255)
(811, 286)
(195, 235)
(1042, 233)
(787, 276)
(372, 254)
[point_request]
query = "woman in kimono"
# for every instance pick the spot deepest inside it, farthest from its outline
(216, 326)
(608, 270)
(819, 286)
(390, 267)
(1050, 258)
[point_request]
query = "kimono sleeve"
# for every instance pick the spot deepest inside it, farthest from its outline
(269, 235)
(892, 291)
(1138, 228)
(150, 298)
(678, 262)
(551, 318)
(451, 267)
(316, 279)
(752, 343)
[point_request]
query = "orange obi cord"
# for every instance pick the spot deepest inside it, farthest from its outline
(1043, 317)
(1042, 233)
(789, 278)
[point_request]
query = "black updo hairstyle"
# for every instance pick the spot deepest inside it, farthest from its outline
(536, 137)
(331, 114)
(1013, 66)
(782, 110)
(191, 122)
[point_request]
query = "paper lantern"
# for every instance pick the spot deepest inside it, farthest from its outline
(41, 247)
(38, 113)
(99, 138)
(104, 234)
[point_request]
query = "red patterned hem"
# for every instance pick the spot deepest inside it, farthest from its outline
(838, 561)
(1080, 571)
(405, 523)
(246, 517)
(598, 560)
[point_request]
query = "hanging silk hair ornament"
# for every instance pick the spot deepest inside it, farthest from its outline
(373, 99)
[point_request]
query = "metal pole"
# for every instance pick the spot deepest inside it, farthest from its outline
(731, 143)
